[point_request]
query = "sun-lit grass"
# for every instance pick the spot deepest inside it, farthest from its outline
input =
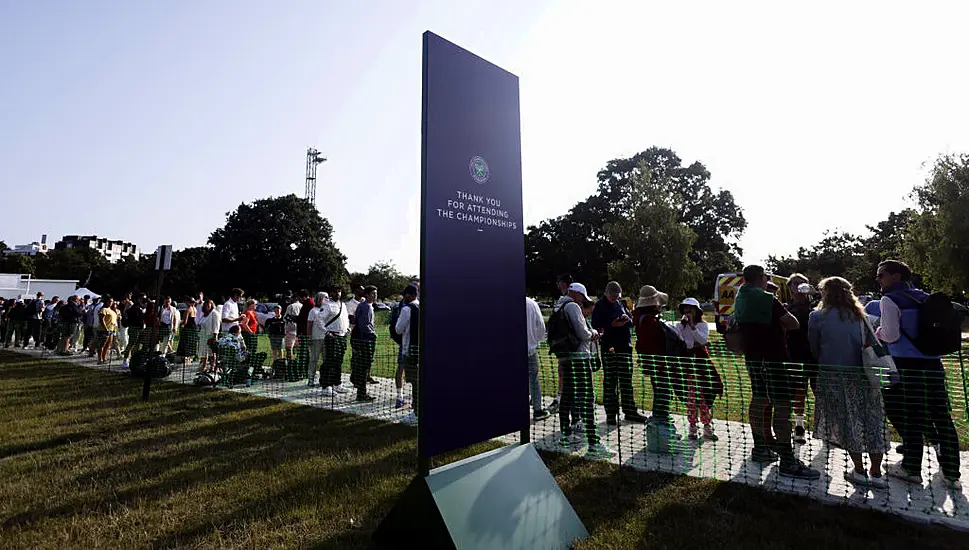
(84, 463)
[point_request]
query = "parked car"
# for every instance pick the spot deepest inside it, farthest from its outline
(264, 310)
(380, 306)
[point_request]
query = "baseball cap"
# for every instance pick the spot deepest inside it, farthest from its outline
(580, 288)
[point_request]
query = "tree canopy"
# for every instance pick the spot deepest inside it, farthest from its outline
(277, 244)
(577, 242)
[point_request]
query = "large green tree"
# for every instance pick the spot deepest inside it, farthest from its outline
(854, 257)
(18, 263)
(654, 245)
(83, 265)
(576, 242)
(277, 244)
(383, 275)
(938, 237)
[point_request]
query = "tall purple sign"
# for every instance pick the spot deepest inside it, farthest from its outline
(474, 370)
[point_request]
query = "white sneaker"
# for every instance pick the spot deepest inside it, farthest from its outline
(856, 477)
(328, 391)
(340, 389)
(598, 451)
(899, 471)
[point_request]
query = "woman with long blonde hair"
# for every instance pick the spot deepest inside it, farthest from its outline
(849, 412)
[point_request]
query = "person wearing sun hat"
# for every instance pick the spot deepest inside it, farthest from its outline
(703, 383)
(651, 346)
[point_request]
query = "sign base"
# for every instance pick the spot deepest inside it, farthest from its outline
(504, 499)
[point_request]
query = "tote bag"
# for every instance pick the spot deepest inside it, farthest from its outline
(876, 360)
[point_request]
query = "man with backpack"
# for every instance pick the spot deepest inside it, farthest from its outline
(571, 339)
(562, 283)
(408, 327)
(763, 322)
(398, 338)
(919, 329)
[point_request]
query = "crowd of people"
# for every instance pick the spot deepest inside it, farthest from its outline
(313, 333)
(815, 341)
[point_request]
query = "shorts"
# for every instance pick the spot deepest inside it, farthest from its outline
(276, 342)
(775, 381)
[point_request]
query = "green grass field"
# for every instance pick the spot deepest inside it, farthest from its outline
(84, 463)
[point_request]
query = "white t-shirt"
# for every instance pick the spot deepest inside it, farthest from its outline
(351, 306)
(693, 336)
(230, 310)
(328, 311)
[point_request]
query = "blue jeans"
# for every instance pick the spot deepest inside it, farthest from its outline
(534, 386)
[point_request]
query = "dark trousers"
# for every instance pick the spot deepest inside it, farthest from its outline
(360, 363)
(411, 365)
(33, 331)
(617, 383)
(334, 350)
(578, 397)
(659, 379)
(918, 405)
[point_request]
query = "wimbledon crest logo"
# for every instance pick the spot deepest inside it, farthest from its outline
(479, 169)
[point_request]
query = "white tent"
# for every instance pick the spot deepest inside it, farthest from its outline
(82, 292)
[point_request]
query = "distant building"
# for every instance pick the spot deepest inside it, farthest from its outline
(113, 250)
(31, 249)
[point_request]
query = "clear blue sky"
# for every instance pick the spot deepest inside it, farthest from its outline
(150, 122)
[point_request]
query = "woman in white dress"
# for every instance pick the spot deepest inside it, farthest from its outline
(208, 327)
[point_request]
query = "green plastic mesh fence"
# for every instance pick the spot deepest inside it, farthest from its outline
(831, 432)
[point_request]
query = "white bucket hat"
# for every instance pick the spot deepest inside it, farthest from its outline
(690, 302)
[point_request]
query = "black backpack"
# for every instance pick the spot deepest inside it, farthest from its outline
(394, 315)
(939, 324)
(675, 346)
(560, 336)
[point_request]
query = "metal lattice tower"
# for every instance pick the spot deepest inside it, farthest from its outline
(313, 157)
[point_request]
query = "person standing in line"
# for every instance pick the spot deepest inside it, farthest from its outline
(363, 339)
(849, 413)
(304, 334)
(578, 391)
(562, 283)
(166, 324)
(703, 383)
(317, 334)
(919, 403)
(49, 329)
(408, 326)
(398, 338)
(614, 324)
(71, 316)
(651, 349)
(291, 318)
(800, 307)
(275, 327)
(188, 341)
(121, 336)
(208, 330)
(335, 323)
(230, 310)
(35, 317)
(91, 325)
(249, 326)
(137, 335)
(107, 325)
(535, 326)
(763, 320)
